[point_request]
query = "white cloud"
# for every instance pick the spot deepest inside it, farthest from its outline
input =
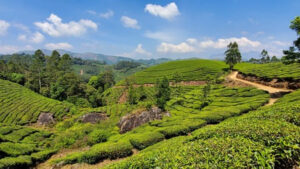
(161, 36)
(130, 22)
(55, 27)
(107, 15)
(139, 49)
(3, 27)
(194, 45)
(167, 12)
(280, 43)
(92, 12)
(63, 45)
(9, 49)
(138, 53)
(222, 43)
(37, 37)
(21, 27)
(172, 48)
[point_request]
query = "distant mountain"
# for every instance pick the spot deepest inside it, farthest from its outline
(109, 59)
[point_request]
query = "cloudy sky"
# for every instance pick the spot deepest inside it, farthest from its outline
(148, 29)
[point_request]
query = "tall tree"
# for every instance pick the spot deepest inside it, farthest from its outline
(163, 92)
(38, 67)
(52, 66)
(265, 58)
(233, 55)
(293, 54)
(65, 63)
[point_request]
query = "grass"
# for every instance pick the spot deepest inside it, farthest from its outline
(265, 138)
(20, 105)
(189, 70)
(291, 71)
(185, 118)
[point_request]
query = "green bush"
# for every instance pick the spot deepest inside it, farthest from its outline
(173, 131)
(42, 155)
(141, 141)
(15, 162)
(212, 153)
(98, 136)
(100, 152)
(16, 149)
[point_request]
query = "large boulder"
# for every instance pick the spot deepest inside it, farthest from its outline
(133, 120)
(45, 118)
(93, 117)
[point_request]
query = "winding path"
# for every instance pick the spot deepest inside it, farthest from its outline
(271, 90)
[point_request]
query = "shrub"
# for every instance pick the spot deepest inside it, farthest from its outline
(42, 155)
(100, 152)
(141, 141)
(15, 162)
(175, 130)
(98, 136)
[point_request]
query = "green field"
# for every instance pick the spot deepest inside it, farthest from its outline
(271, 70)
(186, 116)
(189, 70)
(20, 105)
(266, 138)
(23, 146)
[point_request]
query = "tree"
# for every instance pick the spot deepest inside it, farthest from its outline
(163, 92)
(293, 54)
(132, 97)
(38, 67)
(65, 63)
(274, 59)
(265, 58)
(233, 55)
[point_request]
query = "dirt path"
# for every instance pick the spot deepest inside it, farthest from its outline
(233, 76)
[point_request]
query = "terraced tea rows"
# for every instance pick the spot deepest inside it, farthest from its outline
(266, 138)
(20, 105)
(271, 70)
(189, 70)
(21, 147)
(181, 121)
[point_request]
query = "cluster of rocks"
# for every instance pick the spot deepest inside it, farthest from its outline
(277, 83)
(93, 117)
(133, 120)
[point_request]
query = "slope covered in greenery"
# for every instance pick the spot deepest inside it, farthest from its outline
(188, 70)
(271, 70)
(22, 147)
(20, 105)
(266, 138)
(187, 114)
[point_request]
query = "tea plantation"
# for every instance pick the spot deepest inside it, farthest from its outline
(271, 70)
(265, 138)
(20, 105)
(22, 147)
(188, 70)
(188, 113)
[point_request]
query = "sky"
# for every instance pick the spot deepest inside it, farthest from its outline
(148, 29)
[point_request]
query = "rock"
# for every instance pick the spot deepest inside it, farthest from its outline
(131, 121)
(93, 117)
(45, 118)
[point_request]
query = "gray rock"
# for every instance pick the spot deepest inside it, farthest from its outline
(131, 121)
(93, 117)
(45, 118)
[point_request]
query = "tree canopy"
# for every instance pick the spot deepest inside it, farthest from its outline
(233, 55)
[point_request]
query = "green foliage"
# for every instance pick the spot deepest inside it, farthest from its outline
(20, 105)
(290, 71)
(264, 138)
(99, 152)
(98, 136)
(143, 140)
(163, 92)
(193, 69)
(233, 55)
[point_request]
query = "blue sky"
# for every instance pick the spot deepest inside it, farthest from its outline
(148, 29)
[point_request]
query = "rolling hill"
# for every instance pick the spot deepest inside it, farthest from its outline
(20, 105)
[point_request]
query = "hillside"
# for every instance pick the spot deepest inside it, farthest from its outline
(258, 138)
(20, 105)
(187, 70)
(271, 70)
